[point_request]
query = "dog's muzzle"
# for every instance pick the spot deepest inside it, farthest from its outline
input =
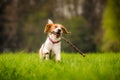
(58, 32)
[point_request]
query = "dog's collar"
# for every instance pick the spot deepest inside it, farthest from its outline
(54, 42)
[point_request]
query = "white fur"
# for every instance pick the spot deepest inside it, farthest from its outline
(50, 21)
(48, 45)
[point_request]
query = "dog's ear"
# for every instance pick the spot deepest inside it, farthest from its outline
(50, 21)
(65, 31)
(47, 28)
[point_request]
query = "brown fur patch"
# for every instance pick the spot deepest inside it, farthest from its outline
(51, 27)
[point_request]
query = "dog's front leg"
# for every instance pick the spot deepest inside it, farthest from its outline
(57, 51)
(58, 57)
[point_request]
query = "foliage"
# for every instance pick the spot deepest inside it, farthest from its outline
(23, 66)
(22, 23)
(80, 34)
(111, 26)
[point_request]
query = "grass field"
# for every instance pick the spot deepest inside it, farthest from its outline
(23, 66)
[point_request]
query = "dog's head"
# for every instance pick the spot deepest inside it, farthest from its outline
(56, 29)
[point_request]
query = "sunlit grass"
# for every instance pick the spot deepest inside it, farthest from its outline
(23, 66)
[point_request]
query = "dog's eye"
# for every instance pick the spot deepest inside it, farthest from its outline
(55, 26)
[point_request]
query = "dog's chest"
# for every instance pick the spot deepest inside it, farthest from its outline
(49, 44)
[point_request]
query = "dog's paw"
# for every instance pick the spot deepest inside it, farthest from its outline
(57, 61)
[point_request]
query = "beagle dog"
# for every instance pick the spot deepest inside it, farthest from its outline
(53, 41)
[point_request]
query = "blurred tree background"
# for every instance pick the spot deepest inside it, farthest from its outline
(111, 27)
(94, 24)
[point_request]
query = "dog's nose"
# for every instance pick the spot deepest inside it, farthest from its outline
(59, 30)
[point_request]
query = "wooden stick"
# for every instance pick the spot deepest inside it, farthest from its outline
(74, 46)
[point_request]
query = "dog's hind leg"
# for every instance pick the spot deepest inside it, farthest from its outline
(41, 55)
(46, 56)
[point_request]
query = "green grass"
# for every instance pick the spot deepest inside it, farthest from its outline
(23, 66)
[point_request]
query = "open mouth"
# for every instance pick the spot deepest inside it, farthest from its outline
(58, 34)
